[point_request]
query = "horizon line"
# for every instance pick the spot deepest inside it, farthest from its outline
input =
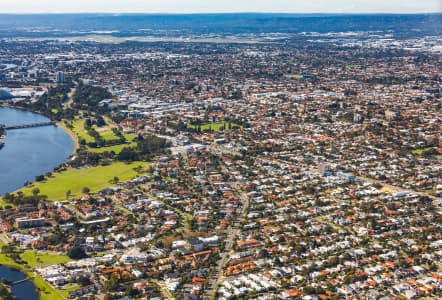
(220, 13)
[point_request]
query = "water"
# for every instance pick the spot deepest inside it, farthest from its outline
(30, 152)
(7, 66)
(25, 290)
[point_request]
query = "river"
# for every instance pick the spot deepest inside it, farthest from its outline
(30, 152)
(25, 290)
(7, 66)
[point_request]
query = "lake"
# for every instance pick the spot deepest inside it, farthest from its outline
(32, 151)
(25, 290)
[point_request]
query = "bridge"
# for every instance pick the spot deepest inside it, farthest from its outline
(20, 281)
(29, 125)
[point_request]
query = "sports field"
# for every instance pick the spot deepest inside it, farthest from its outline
(105, 132)
(215, 126)
(37, 259)
(117, 148)
(94, 178)
(420, 151)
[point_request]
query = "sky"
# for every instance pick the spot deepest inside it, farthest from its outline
(218, 6)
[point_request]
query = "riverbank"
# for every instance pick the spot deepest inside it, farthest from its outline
(18, 282)
(33, 260)
(5, 104)
(8, 262)
(2, 137)
(31, 152)
(4, 66)
(71, 134)
(42, 288)
(59, 124)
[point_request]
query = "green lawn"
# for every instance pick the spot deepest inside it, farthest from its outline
(117, 148)
(420, 151)
(80, 132)
(46, 291)
(4, 204)
(107, 134)
(33, 259)
(95, 178)
(129, 137)
(4, 260)
(68, 288)
(215, 126)
(37, 259)
(295, 76)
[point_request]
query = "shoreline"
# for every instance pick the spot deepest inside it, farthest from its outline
(24, 109)
(30, 275)
(2, 137)
(61, 125)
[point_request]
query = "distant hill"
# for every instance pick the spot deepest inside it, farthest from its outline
(141, 24)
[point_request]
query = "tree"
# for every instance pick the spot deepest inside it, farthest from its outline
(84, 281)
(5, 294)
(111, 284)
(131, 291)
(87, 96)
(100, 121)
(77, 253)
(35, 191)
(39, 178)
(7, 249)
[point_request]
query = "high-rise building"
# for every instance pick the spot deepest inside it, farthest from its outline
(60, 77)
(390, 115)
(357, 118)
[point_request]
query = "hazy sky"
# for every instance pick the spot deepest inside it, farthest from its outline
(198, 6)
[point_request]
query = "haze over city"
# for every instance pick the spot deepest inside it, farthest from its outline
(211, 6)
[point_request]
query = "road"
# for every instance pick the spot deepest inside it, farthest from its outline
(164, 290)
(4, 238)
(233, 230)
(70, 101)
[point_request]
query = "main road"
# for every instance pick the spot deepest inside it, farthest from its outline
(233, 230)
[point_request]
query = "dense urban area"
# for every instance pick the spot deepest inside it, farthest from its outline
(304, 168)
